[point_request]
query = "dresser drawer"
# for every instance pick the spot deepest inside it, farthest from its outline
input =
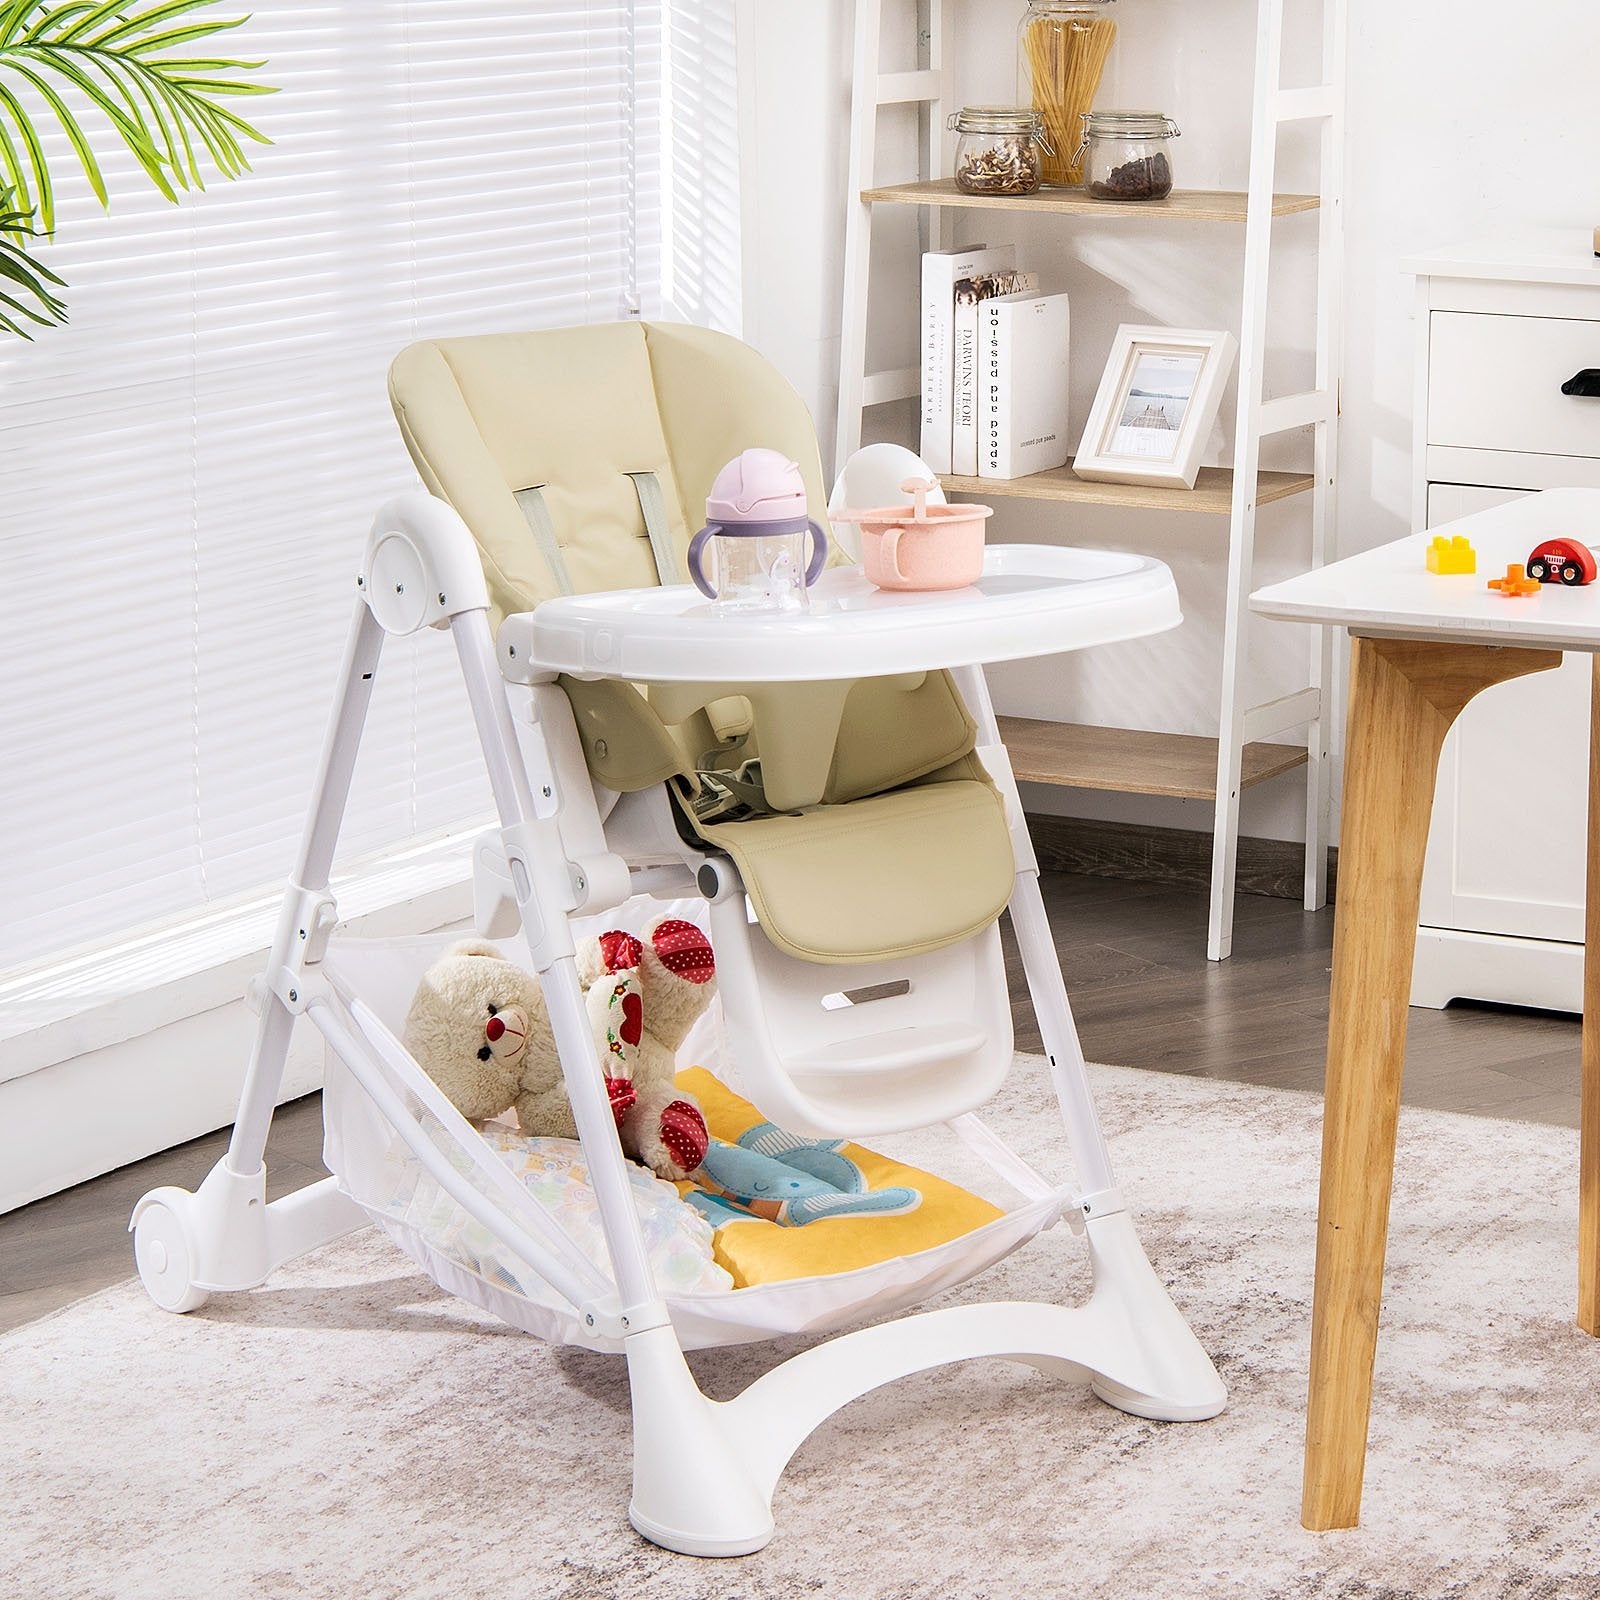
(1494, 383)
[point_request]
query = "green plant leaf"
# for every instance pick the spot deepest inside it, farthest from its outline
(34, 301)
(116, 61)
(173, 37)
(123, 26)
(11, 162)
(29, 177)
(70, 125)
(114, 56)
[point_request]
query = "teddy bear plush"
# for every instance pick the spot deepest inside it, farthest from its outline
(479, 1028)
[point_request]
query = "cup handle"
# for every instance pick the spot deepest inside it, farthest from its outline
(696, 550)
(819, 553)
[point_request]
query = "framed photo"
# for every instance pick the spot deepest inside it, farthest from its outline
(1156, 406)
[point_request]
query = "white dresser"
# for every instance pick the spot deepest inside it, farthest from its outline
(1500, 329)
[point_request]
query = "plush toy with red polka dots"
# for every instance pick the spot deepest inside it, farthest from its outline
(644, 995)
(479, 1028)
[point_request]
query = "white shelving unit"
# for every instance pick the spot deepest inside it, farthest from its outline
(1135, 760)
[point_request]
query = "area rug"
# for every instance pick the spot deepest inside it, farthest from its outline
(349, 1432)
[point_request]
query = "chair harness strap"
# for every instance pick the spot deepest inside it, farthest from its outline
(544, 533)
(653, 507)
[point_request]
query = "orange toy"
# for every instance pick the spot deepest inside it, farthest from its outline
(1515, 582)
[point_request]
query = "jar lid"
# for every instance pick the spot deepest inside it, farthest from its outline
(1018, 120)
(1130, 125)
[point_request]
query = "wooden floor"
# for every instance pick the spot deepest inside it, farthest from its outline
(1144, 994)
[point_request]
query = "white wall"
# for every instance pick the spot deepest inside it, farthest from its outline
(1464, 120)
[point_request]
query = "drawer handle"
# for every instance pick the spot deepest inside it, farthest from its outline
(1585, 384)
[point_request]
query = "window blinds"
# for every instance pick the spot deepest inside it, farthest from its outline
(190, 467)
(700, 238)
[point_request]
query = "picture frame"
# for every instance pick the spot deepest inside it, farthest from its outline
(1156, 406)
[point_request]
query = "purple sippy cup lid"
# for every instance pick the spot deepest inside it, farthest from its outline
(758, 486)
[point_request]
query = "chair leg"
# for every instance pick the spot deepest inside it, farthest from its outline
(295, 942)
(1047, 990)
(1589, 1119)
(1053, 1010)
(693, 1490)
(224, 1236)
(1404, 695)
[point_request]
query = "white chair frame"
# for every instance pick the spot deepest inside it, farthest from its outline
(704, 1471)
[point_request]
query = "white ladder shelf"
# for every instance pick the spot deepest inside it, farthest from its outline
(1152, 761)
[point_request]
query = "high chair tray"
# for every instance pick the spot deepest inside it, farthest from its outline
(1032, 600)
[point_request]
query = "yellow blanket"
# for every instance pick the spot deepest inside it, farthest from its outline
(756, 1251)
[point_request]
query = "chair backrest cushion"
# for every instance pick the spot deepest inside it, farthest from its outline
(572, 412)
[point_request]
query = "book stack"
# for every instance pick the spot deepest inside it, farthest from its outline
(994, 366)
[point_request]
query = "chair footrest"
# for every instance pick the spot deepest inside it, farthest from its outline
(924, 1039)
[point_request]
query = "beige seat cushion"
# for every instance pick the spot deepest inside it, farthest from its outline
(892, 875)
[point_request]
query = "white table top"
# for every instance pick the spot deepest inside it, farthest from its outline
(1533, 255)
(1033, 600)
(1389, 592)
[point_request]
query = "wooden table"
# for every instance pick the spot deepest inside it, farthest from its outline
(1422, 647)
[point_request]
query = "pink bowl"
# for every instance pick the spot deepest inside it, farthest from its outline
(943, 552)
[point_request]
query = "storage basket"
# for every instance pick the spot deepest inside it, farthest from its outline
(374, 1161)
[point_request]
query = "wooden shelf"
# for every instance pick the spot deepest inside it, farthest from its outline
(1212, 494)
(1072, 755)
(1185, 205)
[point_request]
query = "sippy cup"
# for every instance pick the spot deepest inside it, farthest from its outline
(754, 540)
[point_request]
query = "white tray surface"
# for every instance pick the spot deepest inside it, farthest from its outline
(1390, 591)
(1033, 600)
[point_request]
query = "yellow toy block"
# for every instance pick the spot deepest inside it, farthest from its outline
(1449, 557)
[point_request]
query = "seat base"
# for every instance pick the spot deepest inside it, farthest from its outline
(704, 1471)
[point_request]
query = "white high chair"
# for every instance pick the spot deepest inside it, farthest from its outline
(853, 914)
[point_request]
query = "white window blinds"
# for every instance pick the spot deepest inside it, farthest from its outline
(190, 467)
(701, 269)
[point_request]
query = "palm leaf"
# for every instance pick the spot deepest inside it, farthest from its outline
(25, 292)
(114, 57)
(29, 174)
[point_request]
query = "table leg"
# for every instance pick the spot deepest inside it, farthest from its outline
(1404, 695)
(1589, 1116)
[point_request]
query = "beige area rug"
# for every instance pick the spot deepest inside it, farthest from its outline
(351, 1433)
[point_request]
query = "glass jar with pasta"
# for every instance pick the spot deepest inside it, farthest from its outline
(1063, 48)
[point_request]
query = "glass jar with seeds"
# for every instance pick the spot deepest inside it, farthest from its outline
(1064, 48)
(1127, 155)
(1000, 150)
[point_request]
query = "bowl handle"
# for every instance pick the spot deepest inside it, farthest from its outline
(889, 550)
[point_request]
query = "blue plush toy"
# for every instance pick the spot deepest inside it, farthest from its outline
(783, 1178)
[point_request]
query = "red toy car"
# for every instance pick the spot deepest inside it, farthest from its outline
(1562, 561)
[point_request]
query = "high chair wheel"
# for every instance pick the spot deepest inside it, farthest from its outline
(161, 1250)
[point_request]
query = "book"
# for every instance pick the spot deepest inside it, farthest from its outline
(969, 295)
(1023, 348)
(941, 271)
